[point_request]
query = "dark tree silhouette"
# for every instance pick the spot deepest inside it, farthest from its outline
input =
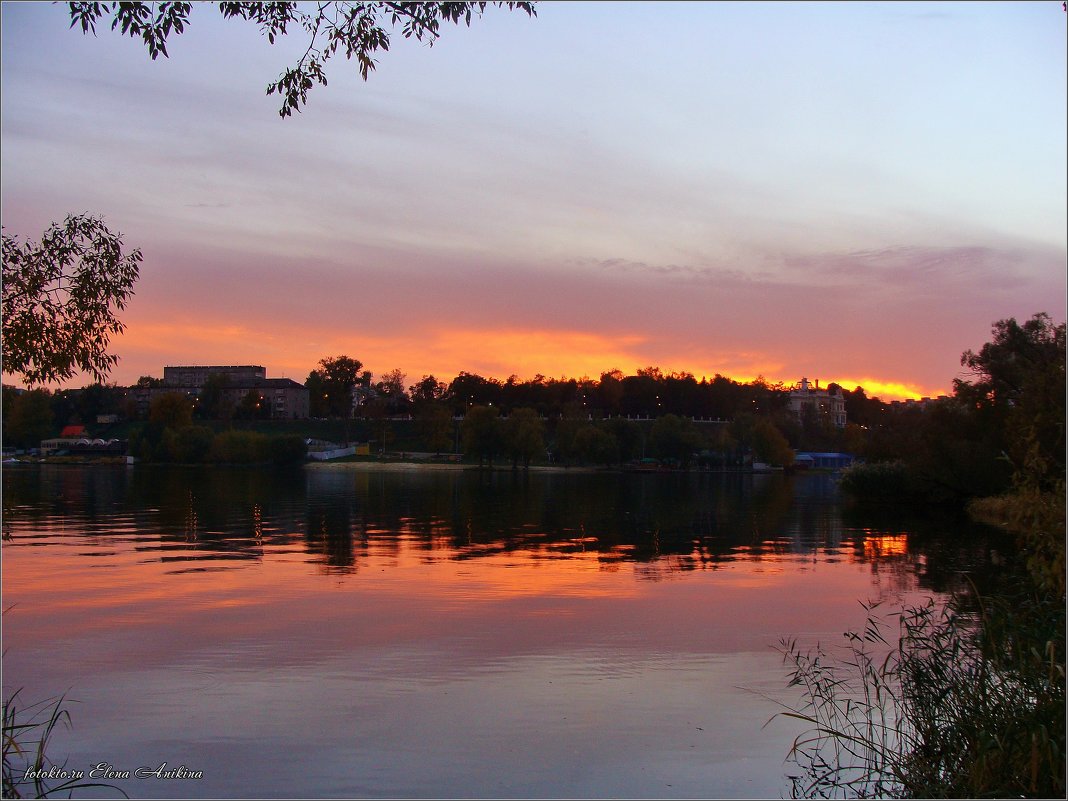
(358, 29)
(60, 299)
(336, 379)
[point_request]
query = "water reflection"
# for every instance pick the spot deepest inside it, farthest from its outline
(667, 523)
(329, 632)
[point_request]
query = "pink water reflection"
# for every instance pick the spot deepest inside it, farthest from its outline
(425, 667)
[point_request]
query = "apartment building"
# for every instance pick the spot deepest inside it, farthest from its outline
(286, 399)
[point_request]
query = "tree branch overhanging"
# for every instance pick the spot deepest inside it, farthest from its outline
(360, 28)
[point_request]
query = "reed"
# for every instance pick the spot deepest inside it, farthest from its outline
(28, 772)
(965, 704)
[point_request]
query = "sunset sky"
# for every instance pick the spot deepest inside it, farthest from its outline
(843, 191)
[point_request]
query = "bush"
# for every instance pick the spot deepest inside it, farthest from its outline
(674, 437)
(239, 447)
(287, 449)
(190, 444)
(1037, 519)
(770, 445)
(880, 481)
(146, 443)
(594, 445)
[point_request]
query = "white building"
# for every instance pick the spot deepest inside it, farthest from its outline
(824, 403)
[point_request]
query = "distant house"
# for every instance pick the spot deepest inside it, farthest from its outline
(824, 403)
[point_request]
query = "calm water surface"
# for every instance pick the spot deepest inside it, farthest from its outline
(336, 633)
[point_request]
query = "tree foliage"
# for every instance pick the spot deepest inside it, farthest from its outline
(524, 436)
(359, 30)
(28, 418)
(253, 406)
(60, 298)
(435, 425)
(390, 389)
(190, 444)
(594, 445)
(770, 445)
(1004, 429)
(673, 437)
(1018, 388)
(332, 384)
(1008, 365)
(483, 434)
(427, 390)
(239, 447)
(287, 449)
(215, 403)
(628, 437)
(470, 389)
(171, 409)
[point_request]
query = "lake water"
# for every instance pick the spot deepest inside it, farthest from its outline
(347, 633)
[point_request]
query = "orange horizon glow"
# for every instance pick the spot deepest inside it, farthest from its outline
(890, 390)
(293, 352)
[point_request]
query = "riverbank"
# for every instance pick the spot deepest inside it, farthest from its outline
(402, 467)
(371, 465)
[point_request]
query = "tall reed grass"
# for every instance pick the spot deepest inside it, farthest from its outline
(964, 704)
(28, 772)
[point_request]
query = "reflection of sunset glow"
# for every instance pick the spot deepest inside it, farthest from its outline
(354, 559)
(881, 546)
(398, 567)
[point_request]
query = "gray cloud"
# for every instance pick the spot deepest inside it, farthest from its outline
(976, 268)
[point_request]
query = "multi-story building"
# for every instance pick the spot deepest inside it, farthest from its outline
(197, 376)
(284, 397)
(825, 403)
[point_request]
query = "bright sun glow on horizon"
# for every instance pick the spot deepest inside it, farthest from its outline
(497, 354)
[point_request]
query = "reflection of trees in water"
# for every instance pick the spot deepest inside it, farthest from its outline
(36, 493)
(943, 549)
(332, 521)
(215, 512)
(667, 522)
